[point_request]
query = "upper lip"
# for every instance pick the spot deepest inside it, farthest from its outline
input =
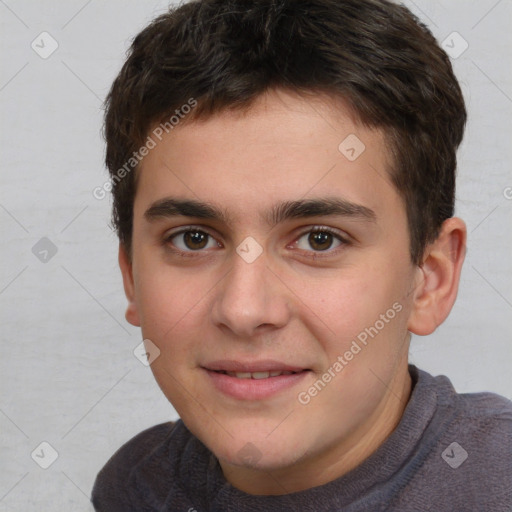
(266, 365)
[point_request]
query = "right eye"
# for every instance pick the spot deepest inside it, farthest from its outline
(192, 240)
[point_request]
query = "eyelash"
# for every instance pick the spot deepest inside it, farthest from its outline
(344, 241)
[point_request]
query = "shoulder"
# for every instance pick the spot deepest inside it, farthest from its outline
(476, 409)
(463, 457)
(487, 418)
(479, 407)
(484, 417)
(487, 405)
(471, 462)
(111, 491)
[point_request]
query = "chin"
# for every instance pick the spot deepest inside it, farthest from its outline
(258, 450)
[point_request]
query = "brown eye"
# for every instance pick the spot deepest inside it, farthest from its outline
(195, 240)
(190, 240)
(320, 240)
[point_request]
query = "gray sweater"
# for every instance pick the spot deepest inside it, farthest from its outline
(450, 453)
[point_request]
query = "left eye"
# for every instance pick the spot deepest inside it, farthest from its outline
(318, 240)
(193, 240)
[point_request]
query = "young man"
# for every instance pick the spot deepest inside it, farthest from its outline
(283, 177)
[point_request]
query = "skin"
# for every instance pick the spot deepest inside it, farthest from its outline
(294, 303)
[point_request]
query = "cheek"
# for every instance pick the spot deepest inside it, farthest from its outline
(363, 305)
(369, 325)
(344, 301)
(169, 304)
(173, 318)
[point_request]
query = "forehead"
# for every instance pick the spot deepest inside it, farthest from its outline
(283, 148)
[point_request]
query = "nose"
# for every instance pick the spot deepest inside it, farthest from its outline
(252, 299)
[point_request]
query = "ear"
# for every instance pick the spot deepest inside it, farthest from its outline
(437, 280)
(132, 314)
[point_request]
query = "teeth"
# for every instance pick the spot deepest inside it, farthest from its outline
(258, 375)
(240, 375)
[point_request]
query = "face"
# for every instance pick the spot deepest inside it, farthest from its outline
(262, 245)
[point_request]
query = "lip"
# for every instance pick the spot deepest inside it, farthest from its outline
(253, 389)
(264, 365)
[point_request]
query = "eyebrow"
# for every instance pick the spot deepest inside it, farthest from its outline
(329, 206)
(303, 208)
(171, 207)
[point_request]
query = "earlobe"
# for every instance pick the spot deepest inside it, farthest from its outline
(132, 314)
(438, 278)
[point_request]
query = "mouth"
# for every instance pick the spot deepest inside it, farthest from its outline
(256, 380)
(257, 375)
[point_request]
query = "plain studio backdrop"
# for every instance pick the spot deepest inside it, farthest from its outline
(69, 377)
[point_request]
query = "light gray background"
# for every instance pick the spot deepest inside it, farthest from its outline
(68, 373)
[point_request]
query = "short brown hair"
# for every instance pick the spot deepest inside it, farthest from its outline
(374, 54)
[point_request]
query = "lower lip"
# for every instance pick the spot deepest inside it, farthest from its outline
(254, 389)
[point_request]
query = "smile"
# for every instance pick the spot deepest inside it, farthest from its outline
(256, 380)
(256, 375)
